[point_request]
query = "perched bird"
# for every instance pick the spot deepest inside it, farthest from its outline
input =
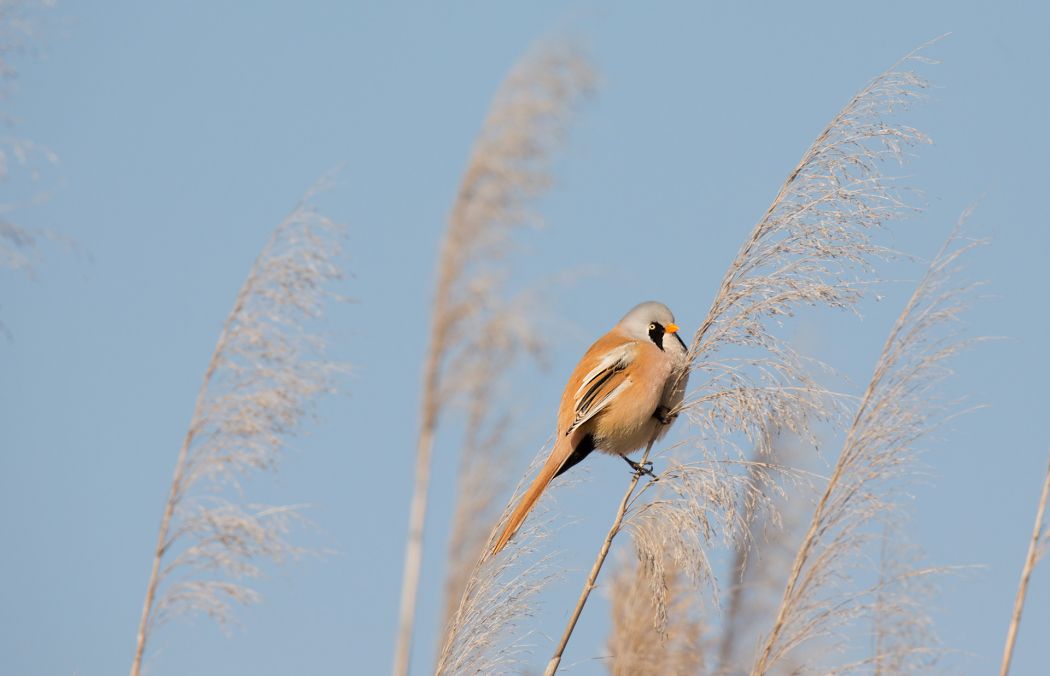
(623, 393)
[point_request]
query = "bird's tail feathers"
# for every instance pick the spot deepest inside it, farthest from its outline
(532, 495)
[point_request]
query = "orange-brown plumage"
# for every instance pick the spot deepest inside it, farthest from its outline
(611, 400)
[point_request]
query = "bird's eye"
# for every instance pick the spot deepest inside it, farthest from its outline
(652, 327)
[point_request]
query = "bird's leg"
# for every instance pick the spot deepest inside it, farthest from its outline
(640, 468)
(663, 414)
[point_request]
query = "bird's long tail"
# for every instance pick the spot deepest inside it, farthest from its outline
(547, 473)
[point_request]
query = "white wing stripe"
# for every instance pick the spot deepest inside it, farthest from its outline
(613, 362)
(618, 358)
(583, 416)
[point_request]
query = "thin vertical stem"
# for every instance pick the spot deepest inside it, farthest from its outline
(154, 576)
(413, 553)
(1026, 572)
(552, 666)
(418, 510)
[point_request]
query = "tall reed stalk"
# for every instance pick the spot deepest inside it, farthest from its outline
(266, 370)
(508, 169)
(1036, 549)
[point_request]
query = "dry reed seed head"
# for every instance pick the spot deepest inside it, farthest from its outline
(20, 22)
(900, 406)
(761, 560)
(501, 593)
(903, 631)
(488, 447)
(485, 453)
(480, 331)
(509, 165)
(508, 168)
(813, 247)
(267, 370)
(693, 506)
(638, 645)
(229, 541)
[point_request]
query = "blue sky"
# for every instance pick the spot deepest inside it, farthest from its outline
(186, 131)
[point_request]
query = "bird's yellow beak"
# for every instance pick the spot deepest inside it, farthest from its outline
(671, 328)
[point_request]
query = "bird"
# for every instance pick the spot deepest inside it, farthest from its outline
(625, 390)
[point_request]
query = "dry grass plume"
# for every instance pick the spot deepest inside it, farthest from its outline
(267, 368)
(508, 169)
(821, 598)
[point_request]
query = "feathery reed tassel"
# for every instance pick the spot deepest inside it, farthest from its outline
(895, 411)
(499, 591)
(637, 643)
(508, 169)
(266, 370)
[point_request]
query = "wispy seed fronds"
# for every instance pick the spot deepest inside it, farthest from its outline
(22, 161)
(762, 555)
(904, 638)
(487, 448)
(229, 538)
(897, 409)
(813, 247)
(636, 645)
(509, 167)
(267, 369)
(693, 506)
(499, 594)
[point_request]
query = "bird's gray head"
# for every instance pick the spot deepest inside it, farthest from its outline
(653, 321)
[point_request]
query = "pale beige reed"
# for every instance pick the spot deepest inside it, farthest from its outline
(509, 168)
(267, 368)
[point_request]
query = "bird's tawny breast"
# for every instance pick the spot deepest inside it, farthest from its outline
(627, 423)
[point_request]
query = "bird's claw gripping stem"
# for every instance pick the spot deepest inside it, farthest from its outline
(640, 468)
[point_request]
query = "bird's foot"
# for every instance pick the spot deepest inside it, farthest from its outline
(664, 415)
(640, 468)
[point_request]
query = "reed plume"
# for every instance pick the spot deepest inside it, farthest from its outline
(742, 509)
(904, 637)
(813, 247)
(268, 367)
(487, 447)
(498, 594)
(762, 554)
(637, 644)
(897, 409)
(20, 158)
(508, 169)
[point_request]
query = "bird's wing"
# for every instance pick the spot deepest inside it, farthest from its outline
(598, 388)
(602, 384)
